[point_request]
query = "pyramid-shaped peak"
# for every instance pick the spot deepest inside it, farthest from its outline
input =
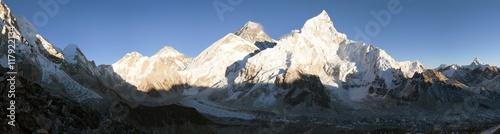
(71, 50)
(248, 28)
(320, 23)
(253, 32)
(323, 15)
(252, 24)
(476, 62)
(168, 49)
(72, 47)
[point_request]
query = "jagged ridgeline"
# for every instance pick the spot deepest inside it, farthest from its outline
(314, 76)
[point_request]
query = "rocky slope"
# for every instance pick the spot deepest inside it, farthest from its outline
(38, 111)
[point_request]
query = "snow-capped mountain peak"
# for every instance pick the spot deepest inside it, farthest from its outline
(320, 24)
(156, 72)
(253, 32)
(251, 25)
(324, 15)
(128, 60)
(321, 29)
(134, 54)
(70, 53)
(167, 51)
(476, 62)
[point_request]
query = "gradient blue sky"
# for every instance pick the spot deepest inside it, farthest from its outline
(432, 31)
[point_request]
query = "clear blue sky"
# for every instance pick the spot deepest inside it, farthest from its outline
(431, 31)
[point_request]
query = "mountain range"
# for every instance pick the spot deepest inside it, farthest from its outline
(314, 75)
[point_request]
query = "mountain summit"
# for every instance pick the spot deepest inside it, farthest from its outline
(476, 62)
(321, 24)
(254, 33)
(150, 73)
(168, 51)
(250, 29)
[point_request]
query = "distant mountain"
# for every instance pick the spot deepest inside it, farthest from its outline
(314, 75)
(159, 71)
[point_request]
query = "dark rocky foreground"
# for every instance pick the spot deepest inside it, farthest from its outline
(37, 111)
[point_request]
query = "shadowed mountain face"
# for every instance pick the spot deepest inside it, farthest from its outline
(307, 87)
(313, 79)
